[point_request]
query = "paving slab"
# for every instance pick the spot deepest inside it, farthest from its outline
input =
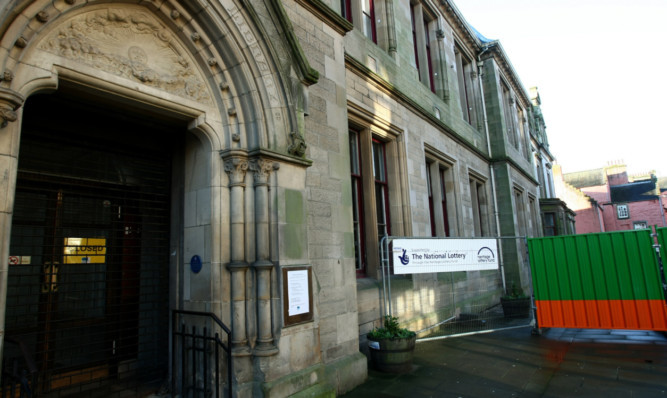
(517, 363)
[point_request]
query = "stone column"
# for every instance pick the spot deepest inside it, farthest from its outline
(10, 102)
(236, 166)
(263, 266)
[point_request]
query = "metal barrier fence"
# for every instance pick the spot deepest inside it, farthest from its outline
(445, 297)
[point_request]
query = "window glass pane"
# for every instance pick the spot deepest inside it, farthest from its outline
(354, 152)
(380, 208)
(379, 170)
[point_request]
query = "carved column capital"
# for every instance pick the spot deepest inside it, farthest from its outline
(262, 169)
(236, 167)
(10, 101)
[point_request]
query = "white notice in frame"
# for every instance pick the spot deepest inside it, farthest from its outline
(297, 288)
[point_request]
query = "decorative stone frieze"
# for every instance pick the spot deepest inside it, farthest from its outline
(130, 43)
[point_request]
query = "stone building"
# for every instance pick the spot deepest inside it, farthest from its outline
(243, 159)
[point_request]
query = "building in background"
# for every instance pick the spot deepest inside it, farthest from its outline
(608, 199)
(557, 217)
(243, 160)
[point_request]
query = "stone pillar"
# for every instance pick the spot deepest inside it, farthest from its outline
(10, 101)
(236, 166)
(263, 266)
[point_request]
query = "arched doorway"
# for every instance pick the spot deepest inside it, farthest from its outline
(91, 227)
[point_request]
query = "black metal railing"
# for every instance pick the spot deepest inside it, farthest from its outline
(19, 371)
(196, 355)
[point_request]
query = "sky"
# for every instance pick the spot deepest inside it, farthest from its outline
(601, 70)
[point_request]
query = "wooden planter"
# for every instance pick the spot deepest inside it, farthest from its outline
(516, 308)
(392, 355)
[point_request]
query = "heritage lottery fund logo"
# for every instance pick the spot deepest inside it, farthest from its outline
(444, 255)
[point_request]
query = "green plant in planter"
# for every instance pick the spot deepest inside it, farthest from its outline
(390, 330)
(514, 293)
(391, 346)
(516, 304)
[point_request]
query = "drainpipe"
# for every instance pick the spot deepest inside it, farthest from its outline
(480, 67)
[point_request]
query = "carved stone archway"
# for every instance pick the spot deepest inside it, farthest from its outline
(209, 65)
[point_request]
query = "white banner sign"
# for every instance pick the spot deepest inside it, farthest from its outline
(420, 256)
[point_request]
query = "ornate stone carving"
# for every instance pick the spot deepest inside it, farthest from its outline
(21, 42)
(262, 169)
(298, 146)
(10, 101)
(236, 168)
(7, 76)
(7, 115)
(42, 16)
(132, 44)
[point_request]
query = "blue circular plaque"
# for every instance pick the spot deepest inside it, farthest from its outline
(195, 264)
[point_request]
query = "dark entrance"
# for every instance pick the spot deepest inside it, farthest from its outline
(88, 296)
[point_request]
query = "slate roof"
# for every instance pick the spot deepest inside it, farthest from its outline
(588, 178)
(635, 191)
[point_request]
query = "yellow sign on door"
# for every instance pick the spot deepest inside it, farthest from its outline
(85, 250)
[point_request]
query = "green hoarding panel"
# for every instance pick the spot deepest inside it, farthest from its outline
(603, 266)
(662, 241)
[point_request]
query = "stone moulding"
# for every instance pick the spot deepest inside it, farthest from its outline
(129, 43)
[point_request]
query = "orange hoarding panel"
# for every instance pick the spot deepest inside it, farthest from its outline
(603, 314)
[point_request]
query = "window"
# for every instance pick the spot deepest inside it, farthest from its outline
(346, 9)
(368, 11)
(640, 225)
(465, 73)
(421, 40)
(521, 121)
(357, 203)
(622, 211)
(362, 14)
(508, 105)
(520, 210)
(376, 187)
(532, 207)
(381, 188)
(549, 224)
(479, 203)
(438, 175)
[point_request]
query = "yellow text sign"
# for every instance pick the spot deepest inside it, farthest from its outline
(85, 250)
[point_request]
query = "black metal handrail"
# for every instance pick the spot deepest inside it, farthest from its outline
(199, 354)
(23, 375)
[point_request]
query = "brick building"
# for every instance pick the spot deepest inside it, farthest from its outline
(608, 199)
(233, 157)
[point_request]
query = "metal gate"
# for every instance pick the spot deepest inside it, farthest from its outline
(88, 279)
(461, 302)
(612, 280)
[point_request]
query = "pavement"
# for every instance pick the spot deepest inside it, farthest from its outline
(517, 363)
